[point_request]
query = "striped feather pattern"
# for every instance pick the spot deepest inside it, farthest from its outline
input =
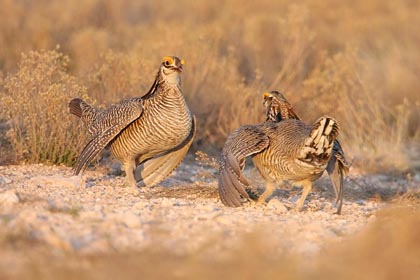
(243, 142)
(275, 149)
(277, 109)
(159, 124)
(105, 127)
(165, 123)
(281, 150)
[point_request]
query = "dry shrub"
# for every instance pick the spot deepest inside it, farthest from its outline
(373, 131)
(34, 104)
(119, 76)
(226, 101)
(280, 46)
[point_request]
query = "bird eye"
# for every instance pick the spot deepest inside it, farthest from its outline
(166, 63)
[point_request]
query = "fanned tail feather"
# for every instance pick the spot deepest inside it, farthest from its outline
(337, 169)
(232, 183)
(318, 145)
(242, 143)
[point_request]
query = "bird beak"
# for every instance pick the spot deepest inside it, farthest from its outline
(179, 68)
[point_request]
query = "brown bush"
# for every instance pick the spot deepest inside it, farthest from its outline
(34, 104)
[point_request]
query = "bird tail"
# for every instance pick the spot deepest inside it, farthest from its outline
(337, 169)
(243, 142)
(75, 107)
(83, 110)
(318, 146)
(232, 183)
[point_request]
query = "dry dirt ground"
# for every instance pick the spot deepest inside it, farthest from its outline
(47, 205)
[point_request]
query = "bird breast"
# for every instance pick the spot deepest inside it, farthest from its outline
(164, 124)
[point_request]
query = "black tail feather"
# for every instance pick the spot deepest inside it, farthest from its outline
(75, 108)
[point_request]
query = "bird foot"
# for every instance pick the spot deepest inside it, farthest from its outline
(298, 209)
(261, 201)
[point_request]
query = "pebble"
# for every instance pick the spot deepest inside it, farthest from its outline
(4, 180)
(166, 202)
(276, 205)
(224, 219)
(9, 197)
(130, 220)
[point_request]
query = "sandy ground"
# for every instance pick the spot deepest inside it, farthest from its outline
(46, 205)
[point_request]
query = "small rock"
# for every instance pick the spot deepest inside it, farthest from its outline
(58, 205)
(277, 206)
(179, 202)
(4, 180)
(207, 216)
(210, 207)
(360, 202)
(9, 197)
(140, 205)
(131, 220)
(372, 217)
(166, 202)
(224, 219)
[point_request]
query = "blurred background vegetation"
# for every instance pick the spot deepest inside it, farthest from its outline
(358, 61)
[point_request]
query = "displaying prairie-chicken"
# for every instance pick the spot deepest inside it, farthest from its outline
(277, 109)
(154, 131)
(282, 148)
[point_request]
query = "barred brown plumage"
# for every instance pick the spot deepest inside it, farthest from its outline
(282, 150)
(154, 131)
(277, 109)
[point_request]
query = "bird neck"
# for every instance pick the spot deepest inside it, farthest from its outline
(161, 83)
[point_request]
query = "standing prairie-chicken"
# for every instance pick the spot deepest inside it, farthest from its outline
(149, 135)
(282, 148)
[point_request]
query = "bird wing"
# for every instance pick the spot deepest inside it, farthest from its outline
(317, 148)
(287, 111)
(85, 112)
(243, 142)
(337, 169)
(154, 170)
(108, 125)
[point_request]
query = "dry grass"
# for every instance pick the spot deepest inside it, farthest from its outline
(355, 60)
(35, 105)
(388, 249)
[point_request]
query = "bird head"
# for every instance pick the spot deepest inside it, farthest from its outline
(273, 96)
(170, 69)
(277, 107)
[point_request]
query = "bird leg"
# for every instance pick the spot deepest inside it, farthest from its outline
(269, 189)
(307, 186)
(130, 168)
